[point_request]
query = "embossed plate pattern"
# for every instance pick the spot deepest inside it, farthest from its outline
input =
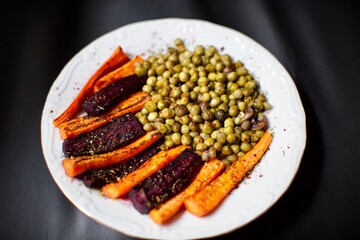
(256, 194)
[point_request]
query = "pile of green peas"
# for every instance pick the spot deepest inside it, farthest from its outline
(203, 99)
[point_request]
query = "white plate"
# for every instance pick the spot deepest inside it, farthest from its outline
(256, 194)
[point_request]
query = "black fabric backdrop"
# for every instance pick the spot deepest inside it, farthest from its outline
(316, 41)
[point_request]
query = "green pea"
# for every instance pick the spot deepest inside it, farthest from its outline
(216, 124)
(245, 147)
(176, 127)
(217, 146)
(196, 59)
(207, 128)
(242, 71)
(231, 76)
(181, 110)
(229, 122)
(161, 128)
(212, 153)
(152, 116)
(199, 50)
(207, 115)
(205, 97)
(185, 120)
(231, 138)
(147, 88)
(232, 158)
(212, 76)
(215, 102)
(245, 137)
(201, 147)
(219, 66)
(185, 129)
(183, 76)
(224, 98)
(242, 106)
(185, 139)
(226, 150)
(162, 104)
(233, 111)
(220, 77)
(224, 107)
(209, 141)
(169, 143)
(258, 104)
(176, 138)
(221, 138)
(198, 139)
(254, 138)
(228, 130)
(167, 113)
(197, 118)
(150, 106)
(140, 70)
(235, 148)
(175, 92)
(144, 112)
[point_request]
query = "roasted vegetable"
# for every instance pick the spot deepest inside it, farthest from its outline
(166, 182)
(160, 160)
(210, 170)
(84, 124)
(116, 134)
(117, 59)
(100, 177)
(76, 165)
(111, 95)
(204, 201)
(124, 71)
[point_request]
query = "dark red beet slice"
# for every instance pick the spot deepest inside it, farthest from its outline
(113, 94)
(116, 134)
(166, 183)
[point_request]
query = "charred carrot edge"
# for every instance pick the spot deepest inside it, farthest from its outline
(209, 171)
(208, 198)
(80, 125)
(117, 59)
(77, 165)
(124, 71)
(160, 160)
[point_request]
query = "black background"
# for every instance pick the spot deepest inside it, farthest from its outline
(318, 42)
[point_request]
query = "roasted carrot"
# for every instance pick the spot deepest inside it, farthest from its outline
(207, 173)
(206, 200)
(76, 165)
(160, 160)
(117, 59)
(122, 72)
(84, 124)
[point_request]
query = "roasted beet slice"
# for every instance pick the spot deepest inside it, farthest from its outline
(112, 94)
(166, 183)
(116, 134)
(100, 177)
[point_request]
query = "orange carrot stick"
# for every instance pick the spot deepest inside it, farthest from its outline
(117, 59)
(76, 165)
(124, 71)
(209, 171)
(80, 125)
(160, 160)
(206, 200)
